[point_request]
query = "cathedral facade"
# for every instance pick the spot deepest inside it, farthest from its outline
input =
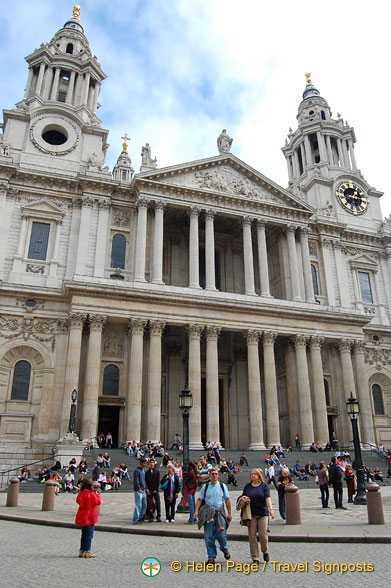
(271, 304)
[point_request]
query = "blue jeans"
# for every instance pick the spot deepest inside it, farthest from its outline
(211, 534)
(140, 506)
(281, 505)
(87, 534)
(191, 501)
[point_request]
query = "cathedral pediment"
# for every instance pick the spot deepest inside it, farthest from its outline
(363, 261)
(44, 209)
(227, 175)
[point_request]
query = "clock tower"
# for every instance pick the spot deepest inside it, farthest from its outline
(322, 164)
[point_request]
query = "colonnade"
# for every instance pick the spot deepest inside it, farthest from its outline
(305, 385)
(210, 276)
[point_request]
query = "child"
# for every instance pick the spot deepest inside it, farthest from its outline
(86, 516)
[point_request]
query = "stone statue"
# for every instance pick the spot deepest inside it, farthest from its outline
(4, 148)
(146, 158)
(224, 142)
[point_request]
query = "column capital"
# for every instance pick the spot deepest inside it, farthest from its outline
(156, 327)
(261, 223)
(104, 204)
(97, 321)
(247, 220)
(142, 202)
(194, 211)
(291, 228)
(136, 326)
(304, 230)
(212, 332)
(269, 337)
(76, 319)
(252, 336)
(194, 330)
(316, 342)
(345, 345)
(160, 205)
(210, 214)
(300, 341)
(359, 346)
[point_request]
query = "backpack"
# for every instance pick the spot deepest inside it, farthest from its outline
(206, 490)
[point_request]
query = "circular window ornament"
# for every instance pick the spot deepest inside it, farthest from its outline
(54, 135)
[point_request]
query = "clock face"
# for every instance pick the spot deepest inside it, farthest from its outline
(352, 197)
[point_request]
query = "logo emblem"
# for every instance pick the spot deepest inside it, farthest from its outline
(150, 566)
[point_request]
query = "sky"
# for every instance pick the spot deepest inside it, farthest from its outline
(180, 71)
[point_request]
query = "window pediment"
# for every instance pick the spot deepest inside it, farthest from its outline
(364, 262)
(43, 209)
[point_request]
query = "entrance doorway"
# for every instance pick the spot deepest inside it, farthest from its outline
(109, 422)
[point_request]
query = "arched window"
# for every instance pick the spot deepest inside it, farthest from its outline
(69, 48)
(110, 380)
(326, 392)
(322, 114)
(118, 251)
(21, 381)
(377, 399)
(315, 283)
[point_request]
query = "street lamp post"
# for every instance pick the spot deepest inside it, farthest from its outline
(185, 405)
(72, 416)
(353, 410)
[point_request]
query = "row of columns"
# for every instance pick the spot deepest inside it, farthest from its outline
(79, 86)
(210, 277)
(313, 423)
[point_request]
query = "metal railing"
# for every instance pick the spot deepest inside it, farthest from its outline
(5, 475)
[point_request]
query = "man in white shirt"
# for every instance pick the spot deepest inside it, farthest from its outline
(215, 494)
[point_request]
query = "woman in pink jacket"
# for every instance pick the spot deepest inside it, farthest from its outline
(86, 516)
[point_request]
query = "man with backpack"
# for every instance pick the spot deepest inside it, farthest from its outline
(211, 514)
(336, 481)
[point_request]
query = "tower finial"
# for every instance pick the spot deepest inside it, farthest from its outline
(76, 12)
(308, 76)
(125, 143)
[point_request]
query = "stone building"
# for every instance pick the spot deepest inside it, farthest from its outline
(272, 304)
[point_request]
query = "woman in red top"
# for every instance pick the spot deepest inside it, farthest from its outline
(86, 516)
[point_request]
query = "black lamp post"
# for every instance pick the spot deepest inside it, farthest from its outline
(353, 411)
(72, 416)
(185, 405)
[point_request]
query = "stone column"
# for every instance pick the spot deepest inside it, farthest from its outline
(22, 237)
(76, 321)
(29, 82)
(328, 267)
(297, 164)
(291, 389)
(293, 265)
(86, 87)
(307, 147)
(329, 150)
(38, 87)
(271, 395)
(84, 235)
(318, 393)
(322, 154)
(210, 251)
(194, 262)
(94, 104)
(363, 394)
(346, 154)
(254, 391)
(305, 252)
(212, 384)
(303, 384)
(342, 275)
(101, 240)
(141, 240)
(157, 266)
(194, 332)
(262, 258)
(135, 381)
(154, 388)
(248, 257)
(352, 154)
(53, 95)
(341, 154)
(345, 346)
(89, 423)
(69, 97)
(56, 245)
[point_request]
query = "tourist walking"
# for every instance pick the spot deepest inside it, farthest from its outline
(323, 483)
(140, 496)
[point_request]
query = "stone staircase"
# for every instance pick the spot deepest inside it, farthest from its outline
(255, 459)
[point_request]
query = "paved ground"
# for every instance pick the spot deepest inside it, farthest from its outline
(42, 557)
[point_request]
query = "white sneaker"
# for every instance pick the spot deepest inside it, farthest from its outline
(172, 521)
(167, 521)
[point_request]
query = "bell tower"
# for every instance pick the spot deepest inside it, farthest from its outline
(321, 161)
(59, 105)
